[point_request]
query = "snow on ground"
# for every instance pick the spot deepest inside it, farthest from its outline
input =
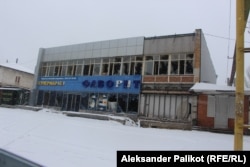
(53, 139)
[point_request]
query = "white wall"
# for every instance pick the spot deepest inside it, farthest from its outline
(8, 78)
(208, 73)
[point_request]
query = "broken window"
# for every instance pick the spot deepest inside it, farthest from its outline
(96, 65)
(79, 67)
(156, 68)
(174, 64)
(189, 63)
(117, 59)
(70, 68)
(117, 69)
(105, 68)
(91, 69)
(51, 70)
(163, 69)
(148, 65)
(182, 66)
(63, 70)
(57, 70)
(182, 63)
(174, 67)
(86, 70)
(96, 69)
(132, 68)
(79, 70)
(117, 66)
(125, 66)
(86, 67)
(148, 68)
(111, 69)
(74, 70)
(138, 58)
(64, 67)
(138, 68)
(138, 65)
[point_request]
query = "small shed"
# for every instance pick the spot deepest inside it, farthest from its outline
(216, 106)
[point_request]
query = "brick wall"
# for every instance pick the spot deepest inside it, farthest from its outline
(208, 122)
(161, 78)
(202, 119)
(197, 56)
(169, 78)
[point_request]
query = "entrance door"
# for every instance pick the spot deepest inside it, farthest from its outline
(221, 114)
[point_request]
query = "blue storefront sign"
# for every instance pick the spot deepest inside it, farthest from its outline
(105, 84)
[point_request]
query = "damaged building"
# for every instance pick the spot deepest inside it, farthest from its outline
(148, 77)
(173, 64)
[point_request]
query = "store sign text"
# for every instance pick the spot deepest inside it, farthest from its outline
(110, 84)
(51, 83)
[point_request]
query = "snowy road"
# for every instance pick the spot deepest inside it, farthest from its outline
(53, 139)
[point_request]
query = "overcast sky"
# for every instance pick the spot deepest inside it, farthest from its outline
(27, 25)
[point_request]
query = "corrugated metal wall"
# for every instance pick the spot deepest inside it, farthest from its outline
(167, 107)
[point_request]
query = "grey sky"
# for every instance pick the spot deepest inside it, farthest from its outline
(28, 25)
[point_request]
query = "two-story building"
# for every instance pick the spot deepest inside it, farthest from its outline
(146, 76)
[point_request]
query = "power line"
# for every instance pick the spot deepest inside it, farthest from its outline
(226, 38)
(216, 36)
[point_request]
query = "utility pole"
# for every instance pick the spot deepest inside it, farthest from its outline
(239, 102)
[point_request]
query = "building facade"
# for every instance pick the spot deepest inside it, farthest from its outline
(14, 75)
(216, 106)
(15, 84)
(147, 76)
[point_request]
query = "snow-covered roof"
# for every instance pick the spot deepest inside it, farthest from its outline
(215, 89)
(17, 67)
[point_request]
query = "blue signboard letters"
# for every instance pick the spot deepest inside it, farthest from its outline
(105, 84)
